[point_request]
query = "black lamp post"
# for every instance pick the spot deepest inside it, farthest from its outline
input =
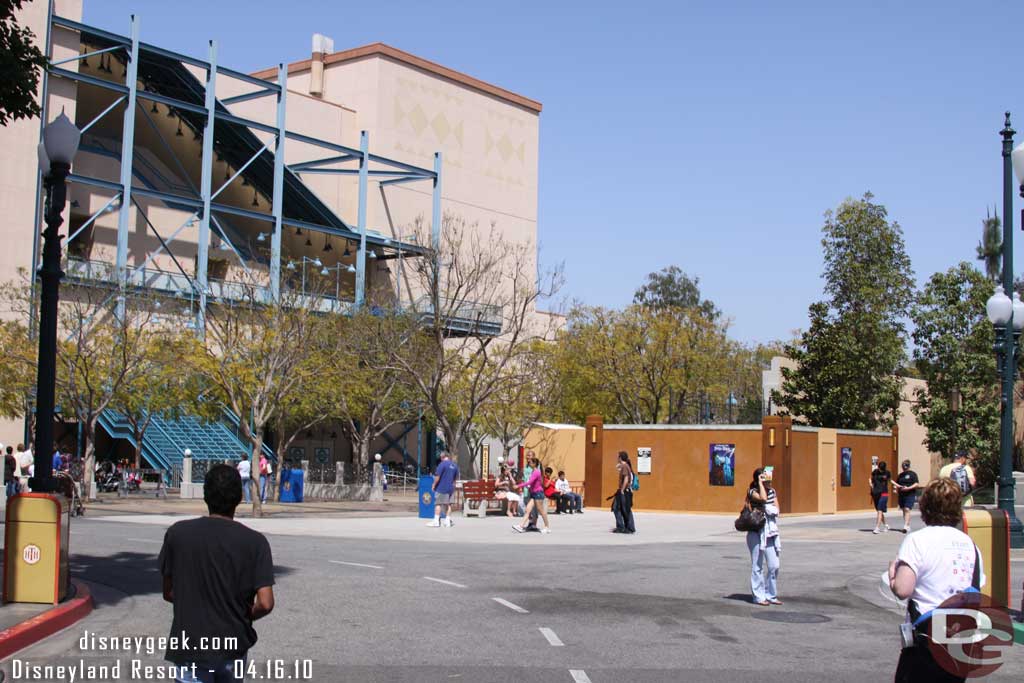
(58, 148)
(1008, 318)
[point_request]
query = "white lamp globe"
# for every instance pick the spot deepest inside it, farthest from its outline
(999, 307)
(44, 161)
(1018, 312)
(1017, 158)
(61, 138)
(377, 457)
(188, 453)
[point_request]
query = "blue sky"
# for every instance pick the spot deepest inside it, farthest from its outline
(709, 135)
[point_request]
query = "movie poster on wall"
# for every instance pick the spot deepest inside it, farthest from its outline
(846, 467)
(643, 460)
(722, 464)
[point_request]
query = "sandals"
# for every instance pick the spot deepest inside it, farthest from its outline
(775, 601)
(762, 603)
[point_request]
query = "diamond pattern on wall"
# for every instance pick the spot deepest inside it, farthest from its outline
(441, 127)
(418, 119)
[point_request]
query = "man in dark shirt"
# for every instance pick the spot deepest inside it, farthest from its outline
(907, 485)
(219, 575)
(10, 467)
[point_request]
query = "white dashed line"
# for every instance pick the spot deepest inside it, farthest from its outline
(514, 608)
(447, 583)
(579, 675)
(553, 639)
(355, 564)
(144, 540)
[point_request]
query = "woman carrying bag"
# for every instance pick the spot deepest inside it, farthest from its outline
(764, 545)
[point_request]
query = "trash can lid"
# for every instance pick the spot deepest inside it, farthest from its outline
(36, 507)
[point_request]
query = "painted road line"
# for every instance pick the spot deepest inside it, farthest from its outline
(554, 640)
(355, 564)
(144, 540)
(514, 608)
(579, 675)
(447, 583)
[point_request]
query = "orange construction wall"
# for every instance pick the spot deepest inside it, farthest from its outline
(857, 496)
(679, 478)
(802, 494)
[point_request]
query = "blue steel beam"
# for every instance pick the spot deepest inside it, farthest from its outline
(303, 165)
(86, 55)
(409, 179)
(205, 182)
(435, 227)
(85, 226)
(103, 113)
(127, 148)
(356, 171)
(86, 78)
(364, 163)
(246, 97)
(278, 199)
(237, 173)
(249, 123)
(171, 102)
(94, 182)
(168, 197)
(83, 28)
(252, 80)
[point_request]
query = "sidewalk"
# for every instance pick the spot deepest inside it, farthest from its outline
(146, 504)
(24, 624)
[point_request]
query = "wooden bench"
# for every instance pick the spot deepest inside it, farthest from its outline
(479, 496)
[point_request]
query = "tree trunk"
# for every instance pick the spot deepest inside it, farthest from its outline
(254, 480)
(89, 458)
(364, 458)
(139, 436)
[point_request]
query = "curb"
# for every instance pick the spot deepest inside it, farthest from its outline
(43, 625)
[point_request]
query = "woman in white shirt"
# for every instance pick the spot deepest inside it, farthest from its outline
(933, 565)
(765, 546)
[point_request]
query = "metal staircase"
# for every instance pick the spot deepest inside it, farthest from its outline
(166, 439)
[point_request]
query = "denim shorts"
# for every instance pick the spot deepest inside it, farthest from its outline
(537, 495)
(907, 502)
(882, 502)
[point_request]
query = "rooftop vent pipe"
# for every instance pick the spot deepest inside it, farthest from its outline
(322, 45)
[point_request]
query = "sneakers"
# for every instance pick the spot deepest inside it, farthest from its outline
(545, 530)
(517, 528)
(885, 527)
(435, 523)
(447, 522)
(877, 531)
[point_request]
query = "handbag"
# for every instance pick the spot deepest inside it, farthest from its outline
(750, 519)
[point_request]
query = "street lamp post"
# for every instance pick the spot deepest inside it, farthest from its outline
(56, 151)
(1008, 334)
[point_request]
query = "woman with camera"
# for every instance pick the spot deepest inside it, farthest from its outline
(764, 545)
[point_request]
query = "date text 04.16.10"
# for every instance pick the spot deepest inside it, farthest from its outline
(274, 669)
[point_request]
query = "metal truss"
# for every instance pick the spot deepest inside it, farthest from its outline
(202, 202)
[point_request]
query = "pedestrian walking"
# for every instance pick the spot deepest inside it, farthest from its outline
(10, 472)
(933, 564)
(219, 575)
(764, 545)
(881, 479)
(907, 485)
(622, 506)
(244, 468)
(963, 474)
(24, 456)
(444, 490)
(534, 487)
(265, 471)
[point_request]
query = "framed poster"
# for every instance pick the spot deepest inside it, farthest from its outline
(846, 467)
(643, 460)
(323, 455)
(297, 453)
(722, 464)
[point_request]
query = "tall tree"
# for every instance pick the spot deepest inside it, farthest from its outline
(17, 367)
(522, 400)
(20, 63)
(990, 248)
(953, 342)
(849, 358)
(671, 288)
(254, 354)
(478, 282)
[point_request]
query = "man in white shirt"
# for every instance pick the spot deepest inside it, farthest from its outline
(24, 458)
(244, 468)
(568, 501)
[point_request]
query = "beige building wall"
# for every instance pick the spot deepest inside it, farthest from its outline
(560, 447)
(912, 434)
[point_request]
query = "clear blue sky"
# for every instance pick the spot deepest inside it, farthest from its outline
(709, 135)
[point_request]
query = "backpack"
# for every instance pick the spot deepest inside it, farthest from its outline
(959, 475)
(636, 482)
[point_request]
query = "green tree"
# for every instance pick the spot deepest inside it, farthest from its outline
(849, 358)
(671, 288)
(20, 62)
(953, 351)
(17, 368)
(990, 248)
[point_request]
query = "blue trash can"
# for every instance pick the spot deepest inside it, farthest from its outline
(291, 486)
(426, 491)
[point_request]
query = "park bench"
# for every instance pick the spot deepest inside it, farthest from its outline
(479, 496)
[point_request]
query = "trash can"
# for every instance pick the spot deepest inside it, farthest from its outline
(990, 531)
(426, 491)
(36, 548)
(291, 486)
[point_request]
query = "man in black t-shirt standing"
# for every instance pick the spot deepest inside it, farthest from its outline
(906, 485)
(219, 575)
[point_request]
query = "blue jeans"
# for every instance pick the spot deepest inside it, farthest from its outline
(263, 488)
(763, 580)
(245, 489)
(220, 673)
(12, 488)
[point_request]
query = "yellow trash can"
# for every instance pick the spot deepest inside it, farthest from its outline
(990, 531)
(36, 548)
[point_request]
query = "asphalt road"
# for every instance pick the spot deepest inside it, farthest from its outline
(373, 611)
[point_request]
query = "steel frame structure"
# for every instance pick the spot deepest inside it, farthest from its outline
(203, 204)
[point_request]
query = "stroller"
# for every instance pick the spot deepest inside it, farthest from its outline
(67, 486)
